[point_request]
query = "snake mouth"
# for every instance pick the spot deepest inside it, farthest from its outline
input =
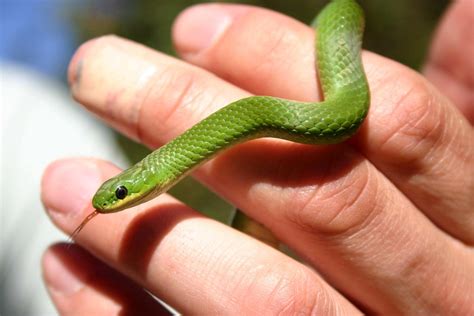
(116, 205)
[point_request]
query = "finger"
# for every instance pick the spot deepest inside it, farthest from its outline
(349, 221)
(311, 199)
(450, 65)
(413, 134)
(136, 76)
(79, 284)
(247, 44)
(196, 264)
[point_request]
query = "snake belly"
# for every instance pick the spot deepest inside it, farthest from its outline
(340, 27)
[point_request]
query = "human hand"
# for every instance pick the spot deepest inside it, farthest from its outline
(386, 218)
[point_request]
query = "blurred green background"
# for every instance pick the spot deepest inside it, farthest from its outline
(399, 29)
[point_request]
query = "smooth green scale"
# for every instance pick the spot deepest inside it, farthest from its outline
(339, 36)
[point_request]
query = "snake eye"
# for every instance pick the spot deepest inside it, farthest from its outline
(121, 192)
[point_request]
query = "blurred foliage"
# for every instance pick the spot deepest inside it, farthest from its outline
(398, 29)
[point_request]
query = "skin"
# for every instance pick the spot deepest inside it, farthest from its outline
(386, 219)
(338, 117)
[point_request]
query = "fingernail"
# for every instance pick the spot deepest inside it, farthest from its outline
(76, 64)
(199, 26)
(59, 279)
(74, 72)
(68, 185)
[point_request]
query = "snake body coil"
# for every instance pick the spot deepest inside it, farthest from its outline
(346, 100)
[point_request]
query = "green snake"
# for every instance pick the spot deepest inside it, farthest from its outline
(339, 28)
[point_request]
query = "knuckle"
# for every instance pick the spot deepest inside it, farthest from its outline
(170, 95)
(273, 47)
(276, 42)
(339, 208)
(294, 293)
(420, 267)
(416, 122)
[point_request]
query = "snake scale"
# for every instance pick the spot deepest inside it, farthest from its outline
(339, 30)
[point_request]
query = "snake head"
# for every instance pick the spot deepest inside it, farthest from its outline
(123, 191)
